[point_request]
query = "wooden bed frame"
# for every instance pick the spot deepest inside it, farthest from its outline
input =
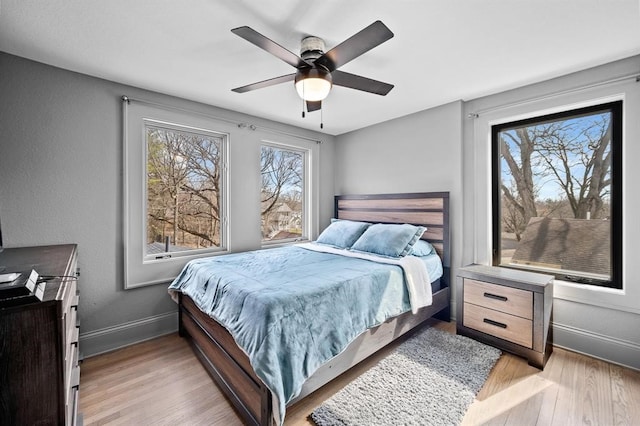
(229, 366)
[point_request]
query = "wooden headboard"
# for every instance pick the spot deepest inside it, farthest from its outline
(429, 209)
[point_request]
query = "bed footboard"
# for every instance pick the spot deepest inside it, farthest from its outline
(226, 363)
(230, 368)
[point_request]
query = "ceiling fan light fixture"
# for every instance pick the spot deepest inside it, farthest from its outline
(313, 84)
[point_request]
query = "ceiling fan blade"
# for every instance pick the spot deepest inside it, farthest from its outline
(352, 81)
(370, 37)
(265, 83)
(270, 46)
(314, 106)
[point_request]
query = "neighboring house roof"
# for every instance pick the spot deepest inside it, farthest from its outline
(569, 244)
(284, 208)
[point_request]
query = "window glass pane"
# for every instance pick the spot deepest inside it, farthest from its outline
(282, 194)
(554, 195)
(183, 190)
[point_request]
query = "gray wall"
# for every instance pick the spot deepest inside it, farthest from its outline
(421, 152)
(442, 149)
(61, 181)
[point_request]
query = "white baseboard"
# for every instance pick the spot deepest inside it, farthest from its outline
(118, 336)
(617, 351)
(606, 348)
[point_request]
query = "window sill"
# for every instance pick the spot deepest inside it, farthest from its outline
(603, 297)
(284, 243)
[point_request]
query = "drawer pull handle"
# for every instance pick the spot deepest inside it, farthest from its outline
(496, 297)
(496, 323)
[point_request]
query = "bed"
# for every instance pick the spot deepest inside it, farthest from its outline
(230, 366)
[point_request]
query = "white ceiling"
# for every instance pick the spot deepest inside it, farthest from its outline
(443, 50)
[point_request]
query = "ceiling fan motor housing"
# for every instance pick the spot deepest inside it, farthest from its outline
(311, 48)
(312, 83)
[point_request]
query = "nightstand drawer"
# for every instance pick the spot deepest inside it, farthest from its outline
(500, 298)
(508, 327)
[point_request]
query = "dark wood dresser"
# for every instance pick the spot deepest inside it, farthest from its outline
(39, 370)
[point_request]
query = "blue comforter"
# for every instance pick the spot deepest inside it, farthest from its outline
(312, 304)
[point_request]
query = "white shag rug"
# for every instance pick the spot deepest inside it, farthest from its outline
(430, 379)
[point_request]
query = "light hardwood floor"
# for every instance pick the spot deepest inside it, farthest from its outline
(160, 382)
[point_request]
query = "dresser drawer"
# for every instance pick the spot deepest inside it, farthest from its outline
(71, 362)
(69, 324)
(72, 406)
(69, 295)
(505, 326)
(500, 298)
(72, 370)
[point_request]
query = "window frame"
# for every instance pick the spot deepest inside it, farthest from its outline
(306, 193)
(224, 141)
(138, 270)
(616, 254)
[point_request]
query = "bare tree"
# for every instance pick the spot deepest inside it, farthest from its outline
(580, 159)
(575, 154)
(183, 187)
(165, 173)
(280, 169)
(203, 187)
(281, 172)
(512, 217)
(521, 192)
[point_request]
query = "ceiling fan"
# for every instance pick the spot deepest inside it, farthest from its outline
(317, 70)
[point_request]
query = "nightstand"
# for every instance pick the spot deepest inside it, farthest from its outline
(506, 308)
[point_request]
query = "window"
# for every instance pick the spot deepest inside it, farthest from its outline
(557, 194)
(183, 186)
(282, 194)
(175, 190)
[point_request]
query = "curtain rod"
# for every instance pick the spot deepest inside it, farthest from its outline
(240, 124)
(477, 114)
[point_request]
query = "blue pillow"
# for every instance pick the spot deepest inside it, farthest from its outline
(342, 233)
(389, 240)
(422, 248)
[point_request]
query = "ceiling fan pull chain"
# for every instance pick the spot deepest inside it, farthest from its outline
(321, 119)
(303, 102)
